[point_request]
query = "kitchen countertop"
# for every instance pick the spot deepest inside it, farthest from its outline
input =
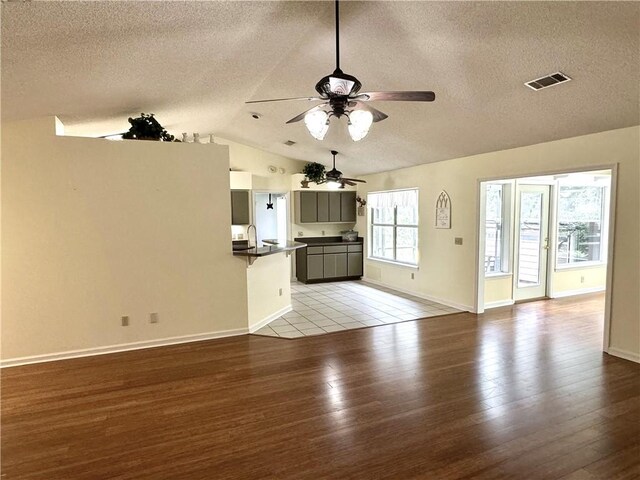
(271, 249)
(311, 241)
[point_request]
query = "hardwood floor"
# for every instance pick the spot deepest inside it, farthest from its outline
(517, 393)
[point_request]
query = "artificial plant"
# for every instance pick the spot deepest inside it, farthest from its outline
(146, 127)
(314, 172)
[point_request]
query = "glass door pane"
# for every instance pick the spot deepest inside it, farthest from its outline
(530, 239)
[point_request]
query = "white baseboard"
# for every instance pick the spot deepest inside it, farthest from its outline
(89, 352)
(270, 319)
(582, 291)
(627, 355)
(500, 303)
(459, 306)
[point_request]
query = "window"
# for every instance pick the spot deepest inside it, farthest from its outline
(394, 226)
(497, 228)
(581, 224)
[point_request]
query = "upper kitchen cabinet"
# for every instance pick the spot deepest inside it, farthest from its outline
(325, 207)
(240, 207)
(306, 207)
(348, 207)
(241, 184)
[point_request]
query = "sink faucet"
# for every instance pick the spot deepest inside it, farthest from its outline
(255, 235)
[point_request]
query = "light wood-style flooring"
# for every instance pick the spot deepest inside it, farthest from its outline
(522, 392)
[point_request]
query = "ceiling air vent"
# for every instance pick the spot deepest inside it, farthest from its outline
(288, 143)
(548, 81)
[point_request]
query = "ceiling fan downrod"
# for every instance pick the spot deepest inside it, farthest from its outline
(338, 37)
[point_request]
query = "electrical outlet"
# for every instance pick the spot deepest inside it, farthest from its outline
(154, 318)
(240, 236)
(301, 234)
(413, 276)
(582, 279)
(458, 240)
(280, 292)
(323, 233)
(125, 321)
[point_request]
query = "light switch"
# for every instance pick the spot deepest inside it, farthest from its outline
(458, 240)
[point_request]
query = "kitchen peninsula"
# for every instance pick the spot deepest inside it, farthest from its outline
(242, 249)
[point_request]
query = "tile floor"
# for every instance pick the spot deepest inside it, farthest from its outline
(329, 307)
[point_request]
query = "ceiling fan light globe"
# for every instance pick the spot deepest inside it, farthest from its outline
(317, 122)
(359, 123)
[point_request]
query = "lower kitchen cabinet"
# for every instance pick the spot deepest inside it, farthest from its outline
(325, 263)
(354, 265)
(314, 266)
(335, 265)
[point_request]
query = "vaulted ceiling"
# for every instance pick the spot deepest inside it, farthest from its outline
(194, 64)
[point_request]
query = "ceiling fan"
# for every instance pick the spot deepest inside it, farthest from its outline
(339, 94)
(335, 175)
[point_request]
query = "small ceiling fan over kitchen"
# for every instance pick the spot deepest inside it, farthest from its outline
(335, 175)
(340, 96)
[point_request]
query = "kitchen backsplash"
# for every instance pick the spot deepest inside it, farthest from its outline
(318, 229)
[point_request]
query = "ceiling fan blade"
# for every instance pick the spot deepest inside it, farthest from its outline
(396, 96)
(354, 180)
(346, 181)
(311, 99)
(297, 118)
(378, 116)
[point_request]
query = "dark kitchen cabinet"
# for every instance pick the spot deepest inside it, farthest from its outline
(354, 264)
(348, 206)
(335, 207)
(325, 207)
(240, 207)
(315, 267)
(318, 262)
(335, 265)
(307, 205)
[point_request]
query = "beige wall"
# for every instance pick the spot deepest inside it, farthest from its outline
(498, 290)
(447, 271)
(569, 280)
(95, 229)
(249, 159)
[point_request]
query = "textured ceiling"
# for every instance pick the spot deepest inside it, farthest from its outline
(195, 63)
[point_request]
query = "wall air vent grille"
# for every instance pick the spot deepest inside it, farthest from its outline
(547, 81)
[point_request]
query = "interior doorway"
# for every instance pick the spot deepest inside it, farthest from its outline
(545, 236)
(271, 216)
(580, 233)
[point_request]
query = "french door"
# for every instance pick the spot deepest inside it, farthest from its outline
(531, 242)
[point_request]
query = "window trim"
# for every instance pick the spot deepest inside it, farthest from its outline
(604, 232)
(507, 214)
(395, 226)
(580, 265)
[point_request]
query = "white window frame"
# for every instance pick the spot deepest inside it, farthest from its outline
(604, 232)
(395, 227)
(508, 205)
